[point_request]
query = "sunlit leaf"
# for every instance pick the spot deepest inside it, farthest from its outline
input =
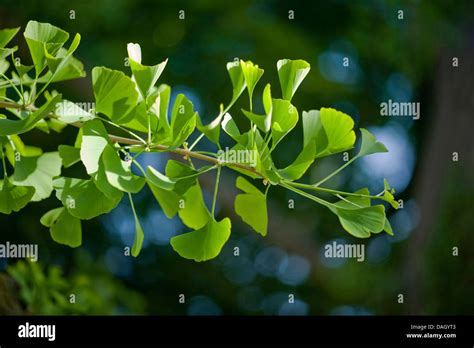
(291, 73)
(39, 36)
(93, 142)
(183, 120)
(145, 76)
(331, 129)
(119, 173)
(252, 73)
(38, 172)
(237, 78)
(62, 65)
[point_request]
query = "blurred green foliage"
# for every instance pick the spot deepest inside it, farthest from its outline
(46, 291)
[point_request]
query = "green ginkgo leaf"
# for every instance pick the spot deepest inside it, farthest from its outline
(301, 164)
(70, 155)
(211, 130)
(183, 120)
(145, 76)
(252, 73)
(9, 127)
(63, 227)
(6, 35)
(159, 180)
(143, 116)
(168, 200)
(331, 129)
(14, 198)
(205, 243)
(388, 195)
(38, 172)
(251, 206)
(115, 94)
(6, 52)
(14, 146)
(94, 139)
(41, 36)
(139, 235)
(358, 217)
(63, 66)
(230, 127)
(161, 132)
(363, 221)
(119, 173)
(284, 119)
(70, 68)
(369, 145)
(194, 212)
(101, 182)
(291, 73)
(22, 69)
(183, 175)
(83, 199)
(387, 227)
(237, 78)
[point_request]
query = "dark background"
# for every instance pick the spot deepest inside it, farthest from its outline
(403, 60)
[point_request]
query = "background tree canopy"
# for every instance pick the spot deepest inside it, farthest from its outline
(404, 60)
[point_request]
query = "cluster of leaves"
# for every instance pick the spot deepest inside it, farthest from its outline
(135, 106)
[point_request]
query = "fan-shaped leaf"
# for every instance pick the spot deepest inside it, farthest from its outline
(291, 73)
(205, 243)
(63, 227)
